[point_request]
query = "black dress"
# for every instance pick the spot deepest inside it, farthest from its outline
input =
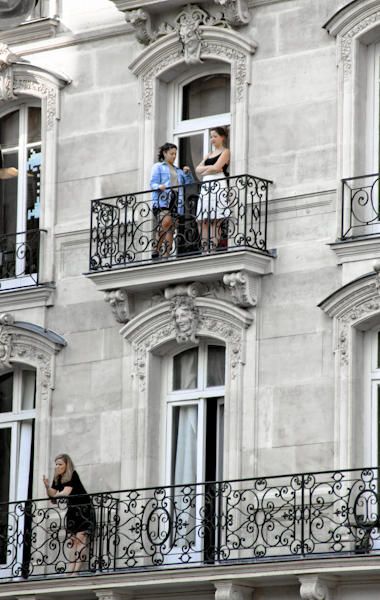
(80, 514)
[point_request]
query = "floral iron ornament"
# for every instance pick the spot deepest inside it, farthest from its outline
(14, 12)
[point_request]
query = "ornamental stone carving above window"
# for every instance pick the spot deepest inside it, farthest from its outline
(187, 23)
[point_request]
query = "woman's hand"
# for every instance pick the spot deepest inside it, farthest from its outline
(186, 169)
(162, 187)
(46, 481)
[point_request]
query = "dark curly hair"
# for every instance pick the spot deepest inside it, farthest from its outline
(167, 146)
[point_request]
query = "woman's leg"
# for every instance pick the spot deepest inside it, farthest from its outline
(80, 550)
(166, 232)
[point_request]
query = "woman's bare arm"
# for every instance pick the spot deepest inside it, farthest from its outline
(223, 159)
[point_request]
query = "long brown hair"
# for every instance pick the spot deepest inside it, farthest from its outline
(68, 474)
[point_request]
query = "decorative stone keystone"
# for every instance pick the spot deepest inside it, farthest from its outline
(186, 319)
(314, 587)
(230, 591)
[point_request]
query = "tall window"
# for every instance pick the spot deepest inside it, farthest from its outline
(204, 103)
(373, 110)
(195, 415)
(17, 415)
(20, 139)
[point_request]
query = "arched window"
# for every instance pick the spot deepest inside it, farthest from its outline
(20, 139)
(17, 417)
(203, 103)
(196, 415)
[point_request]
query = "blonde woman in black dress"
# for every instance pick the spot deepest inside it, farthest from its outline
(80, 515)
(213, 201)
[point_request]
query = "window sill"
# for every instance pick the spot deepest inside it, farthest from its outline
(29, 297)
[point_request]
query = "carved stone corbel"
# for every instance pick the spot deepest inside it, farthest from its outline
(236, 12)
(226, 590)
(242, 288)
(314, 587)
(112, 595)
(376, 268)
(7, 59)
(120, 304)
(141, 22)
(5, 340)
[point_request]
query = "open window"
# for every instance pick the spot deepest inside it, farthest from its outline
(20, 139)
(195, 434)
(17, 417)
(203, 103)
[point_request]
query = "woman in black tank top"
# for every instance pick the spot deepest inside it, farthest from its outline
(212, 208)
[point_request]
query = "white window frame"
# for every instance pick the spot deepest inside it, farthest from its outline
(22, 148)
(179, 128)
(196, 396)
(373, 109)
(20, 422)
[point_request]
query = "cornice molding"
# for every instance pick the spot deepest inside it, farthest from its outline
(21, 299)
(356, 249)
(35, 30)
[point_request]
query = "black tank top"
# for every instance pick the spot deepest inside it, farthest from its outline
(212, 160)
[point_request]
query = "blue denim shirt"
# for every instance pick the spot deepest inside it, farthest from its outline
(161, 175)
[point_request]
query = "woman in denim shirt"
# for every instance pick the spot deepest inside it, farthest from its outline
(167, 203)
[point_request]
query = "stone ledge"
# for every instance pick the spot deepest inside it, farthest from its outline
(23, 298)
(31, 31)
(346, 570)
(150, 276)
(356, 249)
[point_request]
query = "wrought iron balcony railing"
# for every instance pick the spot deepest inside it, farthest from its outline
(19, 259)
(192, 220)
(309, 515)
(361, 206)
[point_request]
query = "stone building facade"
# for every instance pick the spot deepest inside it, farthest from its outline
(254, 363)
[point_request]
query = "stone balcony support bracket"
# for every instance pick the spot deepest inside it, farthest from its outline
(239, 288)
(226, 590)
(314, 587)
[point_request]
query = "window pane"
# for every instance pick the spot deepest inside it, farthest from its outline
(8, 196)
(184, 451)
(5, 453)
(206, 96)
(33, 187)
(185, 370)
(34, 124)
(191, 151)
(9, 130)
(28, 390)
(6, 393)
(216, 365)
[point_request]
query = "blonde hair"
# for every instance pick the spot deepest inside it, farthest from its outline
(68, 474)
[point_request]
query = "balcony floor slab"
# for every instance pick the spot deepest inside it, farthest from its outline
(148, 276)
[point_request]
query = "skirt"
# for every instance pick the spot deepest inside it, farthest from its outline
(213, 198)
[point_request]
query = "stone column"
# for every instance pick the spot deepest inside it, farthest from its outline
(225, 590)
